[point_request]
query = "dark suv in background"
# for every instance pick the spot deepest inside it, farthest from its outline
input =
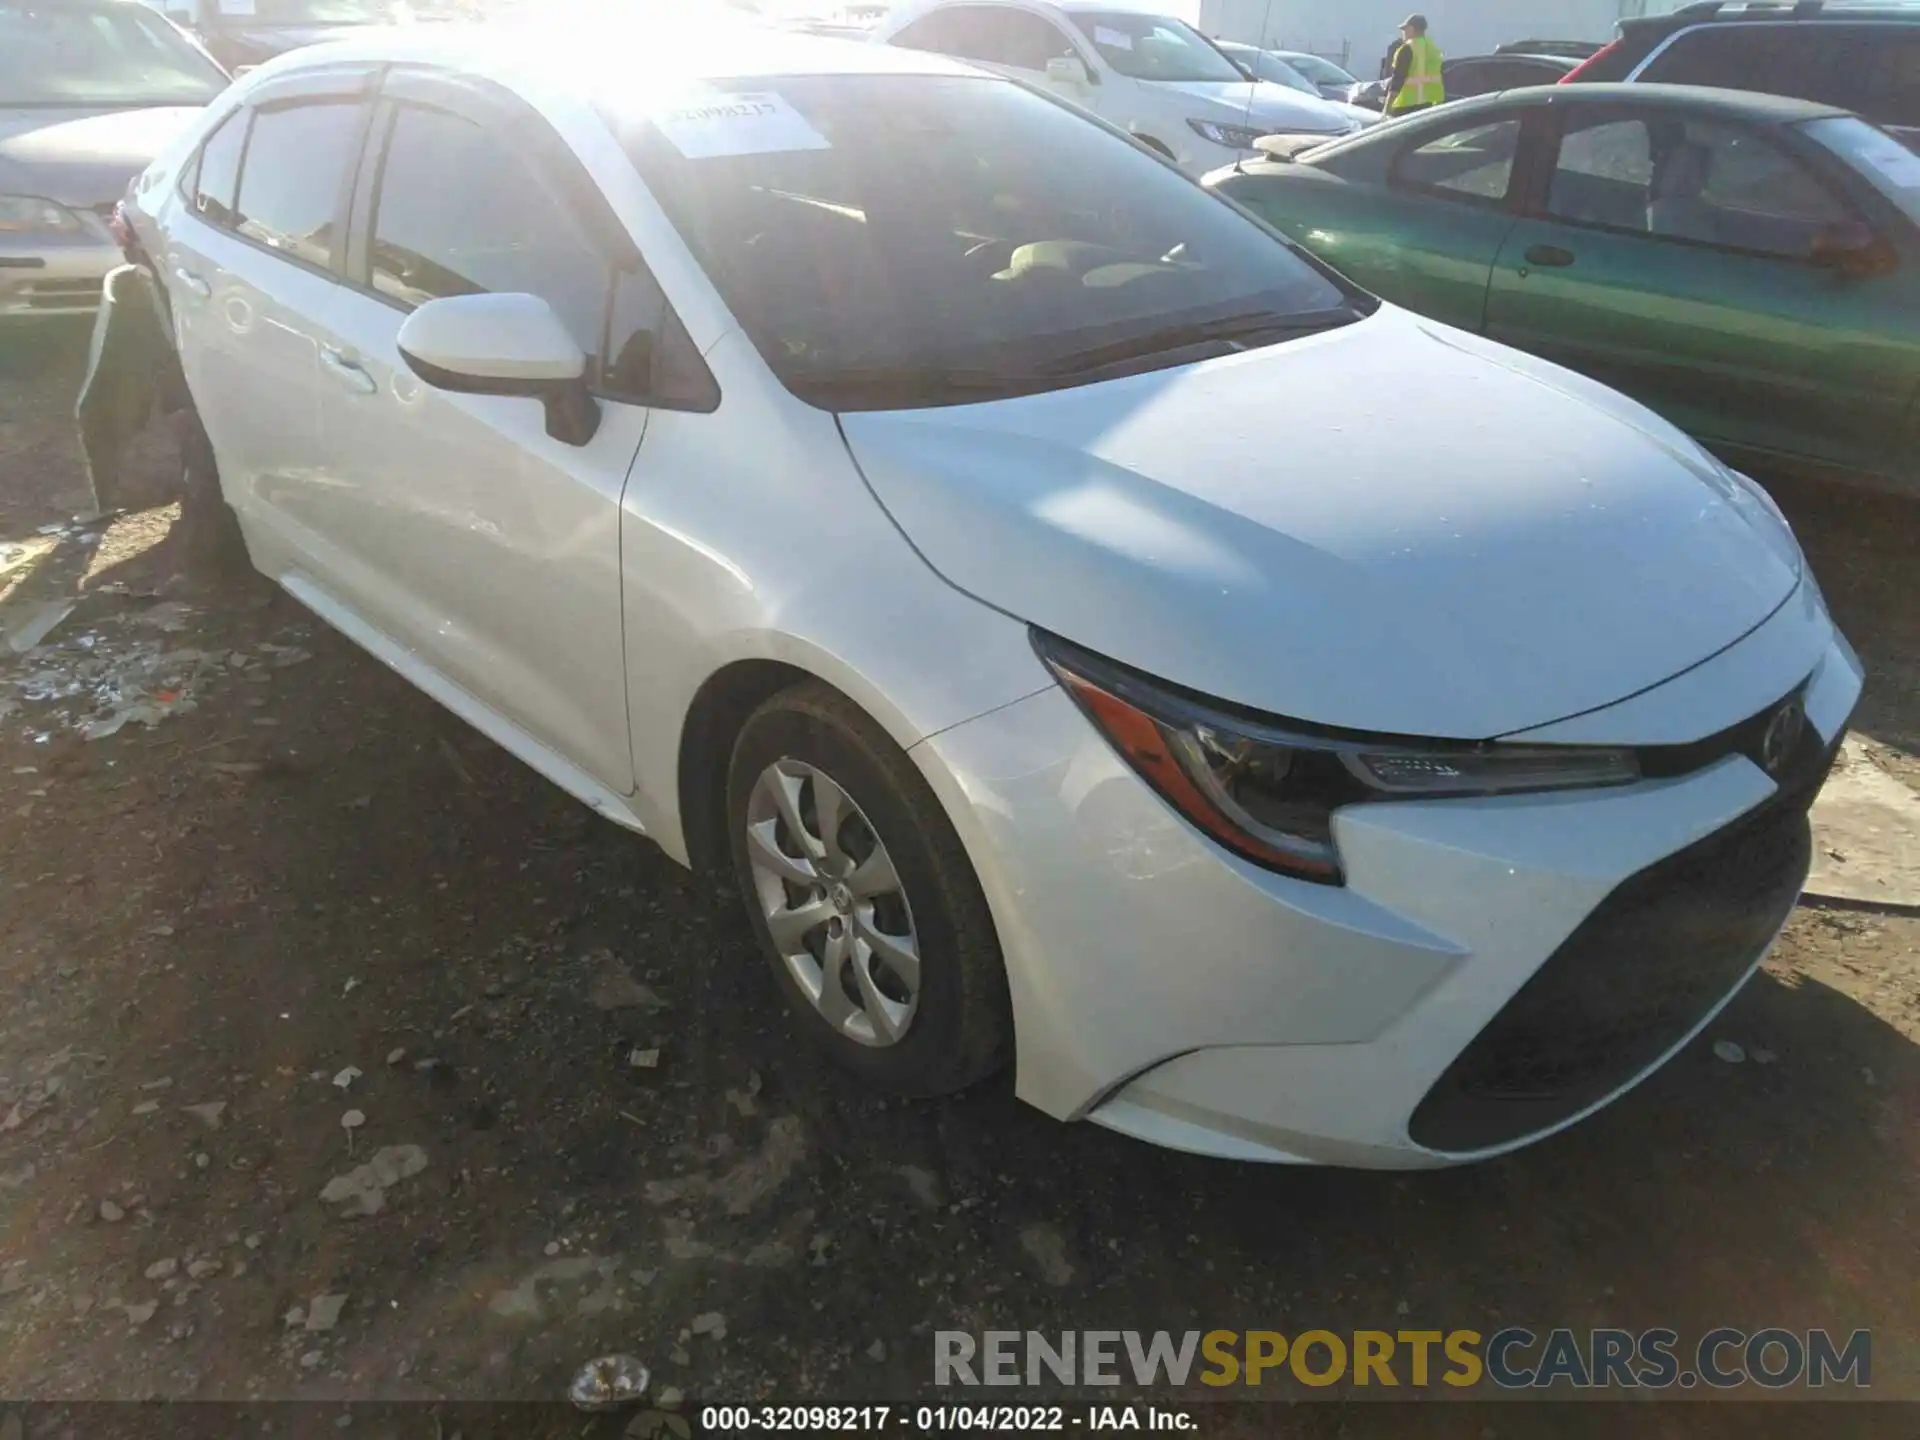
(1864, 58)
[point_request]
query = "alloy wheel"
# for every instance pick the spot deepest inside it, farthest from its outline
(834, 906)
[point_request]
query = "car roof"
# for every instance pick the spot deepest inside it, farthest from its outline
(725, 50)
(1805, 11)
(1734, 104)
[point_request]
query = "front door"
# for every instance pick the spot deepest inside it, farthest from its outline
(1427, 238)
(1672, 259)
(462, 530)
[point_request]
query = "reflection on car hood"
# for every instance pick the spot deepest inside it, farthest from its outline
(1392, 527)
(82, 157)
(1259, 103)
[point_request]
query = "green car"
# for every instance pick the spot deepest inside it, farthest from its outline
(1748, 266)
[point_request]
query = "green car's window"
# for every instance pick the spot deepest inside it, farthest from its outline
(1471, 164)
(1674, 178)
(1888, 166)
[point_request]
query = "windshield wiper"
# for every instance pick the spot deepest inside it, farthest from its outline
(905, 385)
(1266, 329)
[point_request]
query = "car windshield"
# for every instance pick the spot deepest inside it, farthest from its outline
(1320, 72)
(891, 241)
(1890, 167)
(56, 52)
(1272, 68)
(1152, 47)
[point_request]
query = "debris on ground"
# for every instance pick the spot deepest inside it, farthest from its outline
(612, 988)
(363, 1189)
(608, 1383)
(323, 1312)
(1048, 1250)
(644, 1059)
(36, 623)
(658, 1425)
(710, 1322)
(1730, 1051)
(212, 1114)
(344, 1080)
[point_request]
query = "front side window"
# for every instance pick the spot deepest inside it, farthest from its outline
(892, 240)
(1015, 38)
(1475, 163)
(459, 213)
(69, 52)
(291, 178)
(1704, 181)
(217, 181)
(1153, 47)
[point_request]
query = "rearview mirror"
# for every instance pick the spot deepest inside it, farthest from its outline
(1069, 70)
(503, 345)
(1852, 249)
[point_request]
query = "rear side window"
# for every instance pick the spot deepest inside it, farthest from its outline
(291, 181)
(218, 179)
(1807, 62)
(1471, 164)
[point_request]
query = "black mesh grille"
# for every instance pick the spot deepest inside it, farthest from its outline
(1653, 958)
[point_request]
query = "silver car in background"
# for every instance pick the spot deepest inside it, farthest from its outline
(90, 90)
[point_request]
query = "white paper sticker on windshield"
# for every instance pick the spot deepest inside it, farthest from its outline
(1112, 39)
(237, 7)
(757, 123)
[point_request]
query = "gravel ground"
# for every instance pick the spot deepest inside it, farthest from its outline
(318, 1070)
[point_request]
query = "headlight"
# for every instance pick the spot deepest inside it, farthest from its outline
(1268, 789)
(1234, 137)
(30, 215)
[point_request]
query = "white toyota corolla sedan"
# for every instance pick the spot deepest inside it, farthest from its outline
(1096, 637)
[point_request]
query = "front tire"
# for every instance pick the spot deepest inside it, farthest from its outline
(863, 899)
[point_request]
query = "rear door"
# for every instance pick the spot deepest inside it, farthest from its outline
(455, 525)
(249, 271)
(1671, 257)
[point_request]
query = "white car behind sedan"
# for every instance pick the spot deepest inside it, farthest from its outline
(1154, 76)
(1094, 635)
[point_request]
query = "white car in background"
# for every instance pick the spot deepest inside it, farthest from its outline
(1154, 76)
(1092, 634)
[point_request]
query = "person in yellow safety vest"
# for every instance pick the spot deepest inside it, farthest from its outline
(1415, 83)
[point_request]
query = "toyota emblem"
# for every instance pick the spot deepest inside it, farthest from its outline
(1782, 737)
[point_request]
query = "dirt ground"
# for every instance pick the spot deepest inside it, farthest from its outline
(312, 923)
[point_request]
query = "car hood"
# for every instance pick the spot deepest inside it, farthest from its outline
(1259, 103)
(1392, 527)
(82, 157)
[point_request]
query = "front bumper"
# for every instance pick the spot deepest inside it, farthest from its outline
(41, 278)
(1443, 1005)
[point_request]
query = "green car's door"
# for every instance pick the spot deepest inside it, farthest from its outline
(1423, 234)
(1672, 256)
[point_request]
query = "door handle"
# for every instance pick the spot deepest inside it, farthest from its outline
(1549, 257)
(191, 282)
(347, 372)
